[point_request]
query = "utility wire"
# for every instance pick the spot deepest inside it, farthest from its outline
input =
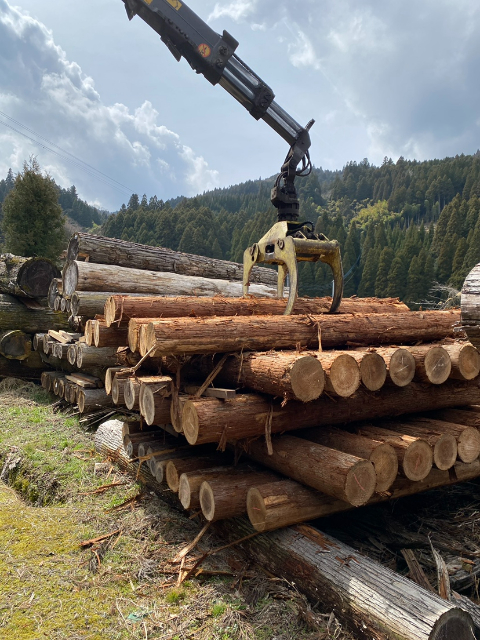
(69, 157)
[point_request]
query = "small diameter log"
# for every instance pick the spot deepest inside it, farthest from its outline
(465, 360)
(132, 445)
(89, 332)
(211, 420)
(15, 315)
(65, 306)
(48, 378)
(432, 364)
(58, 386)
(226, 497)
(186, 336)
(191, 481)
(131, 393)
(121, 308)
(26, 277)
(415, 456)
(15, 345)
(93, 357)
(342, 374)
(468, 438)
(373, 370)
(380, 454)
(142, 435)
(57, 303)
(72, 352)
(37, 341)
(89, 303)
(118, 386)
(160, 461)
(104, 336)
(60, 350)
(92, 399)
(444, 445)
(333, 472)
(109, 375)
(72, 399)
(154, 399)
(90, 276)
(175, 468)
(133, 335)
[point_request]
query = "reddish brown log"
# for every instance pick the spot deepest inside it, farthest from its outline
(190, 483)
(468, 438)
(104, 336)
(183, 336)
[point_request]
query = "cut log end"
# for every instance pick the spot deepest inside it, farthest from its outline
(401, 368)
(469, 362)
(454, 623)
(385, 462)
(172, 477)
(256, 510)
(307, 379)
(437, 365)
(207, 501)
(344, 376)
(190, 422)
(360, 483)
(184, 493)
(469, 444)
(418, 460)
(373, 371)
(445, 452)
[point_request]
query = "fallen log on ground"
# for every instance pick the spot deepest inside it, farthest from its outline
(119, 309)
(104, 250)
(184, 336)
(88, 276)
(26, 277)
(15, 315)
(212, 420)
(369, 599)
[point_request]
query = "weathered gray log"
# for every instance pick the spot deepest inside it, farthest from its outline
(87, 276)
(89, 303)
(15, 315)
(104, 250)
(119, 309)
(54, 290)
(26, 277)
(29, 369)
(15, 345)
(93, 357)
(186, 336)
(211, 420)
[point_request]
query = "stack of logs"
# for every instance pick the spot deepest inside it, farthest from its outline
(371, 394)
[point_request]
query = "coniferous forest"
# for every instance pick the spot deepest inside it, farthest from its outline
(407, 229)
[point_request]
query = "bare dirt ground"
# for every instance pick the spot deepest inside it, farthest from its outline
(125, 586)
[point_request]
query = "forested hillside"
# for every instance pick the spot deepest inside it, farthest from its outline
(403, 226)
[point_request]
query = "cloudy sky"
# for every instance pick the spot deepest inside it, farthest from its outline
(380, 79)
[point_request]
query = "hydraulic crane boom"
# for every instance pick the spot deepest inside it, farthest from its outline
(213, 56)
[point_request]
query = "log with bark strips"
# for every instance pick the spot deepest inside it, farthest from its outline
(88, 276)
(415, 455)
(380, 454)
(191, 481)
(15, 315)
(92, 399)
(93, 357)
(186, 336)
(295, 552)
(119, 309)
(333, 472)
(15, 345)
(211, 420)
(26, 277)
(139, 256)
(154, 399)
(104, 336)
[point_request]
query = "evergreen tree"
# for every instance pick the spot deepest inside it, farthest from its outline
(384, 265)
(33, 223)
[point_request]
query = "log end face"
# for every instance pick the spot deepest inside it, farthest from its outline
(256, 509)
(207, 501)
(402, 368)
(190, 422)
(469, 362)
(344, 376)
(438, 365)
(172, 477)
(184, 493)
(147, 404)
(454, 624)
(385, 461)
(469, 444)
(35, 277)
(360, 483)
(418, 460)
(307, 378)
(373, 371)
(445, 452)
(70, 278)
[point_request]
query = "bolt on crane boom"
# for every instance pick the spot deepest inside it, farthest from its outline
(213, 55)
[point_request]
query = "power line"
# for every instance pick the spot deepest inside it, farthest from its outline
(69, 157)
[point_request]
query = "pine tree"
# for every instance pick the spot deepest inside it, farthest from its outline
(33, 223)
(384, 265)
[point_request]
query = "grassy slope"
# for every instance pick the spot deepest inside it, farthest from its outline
(51, 588)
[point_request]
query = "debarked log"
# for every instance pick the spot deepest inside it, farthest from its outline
(88, 276)
(120, 309)
(212, 420)
(179, 336)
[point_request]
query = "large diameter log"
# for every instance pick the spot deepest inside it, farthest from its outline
(465, 360)
(26, 277)
(15, 315)
(468, 438)
(15, 345)
(432, 364)
(443, 444)
(211, 420)
(333, 472)
(104, 336)
(92, 399)
(93, 357)
(226, 497)
(119, 309)
(88, 276)
(178, 336)
(111, 251)
(380, 454)
(295, 555)
(400, 365)
(415, 456)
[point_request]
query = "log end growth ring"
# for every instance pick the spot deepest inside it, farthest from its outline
(360, 483)
(469, 362)
(438, 365)
(385, 461)
(373, 371)
(469, 444)
(35, 277)
(307, 378)
(190, 422)
(256, 509)
(402, 368)
(207, 501)
(445, 452)
(418, 460)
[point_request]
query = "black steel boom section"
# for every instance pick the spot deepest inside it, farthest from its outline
(213, 55)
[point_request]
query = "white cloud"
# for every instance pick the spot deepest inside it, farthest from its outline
(51, 95)
(237, 10)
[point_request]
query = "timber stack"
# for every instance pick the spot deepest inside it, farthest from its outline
(326, 412)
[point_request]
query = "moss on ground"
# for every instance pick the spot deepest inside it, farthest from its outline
(126, 586)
